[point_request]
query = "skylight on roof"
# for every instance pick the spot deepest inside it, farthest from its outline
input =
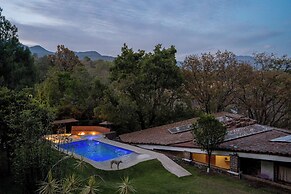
(224, 119)
(180, 129)
(283, 139)
(246, 131)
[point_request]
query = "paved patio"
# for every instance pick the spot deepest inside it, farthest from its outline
(168, 164)
(139, 155)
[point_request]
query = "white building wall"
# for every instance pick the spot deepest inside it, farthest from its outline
(267, 170)
(217, 152)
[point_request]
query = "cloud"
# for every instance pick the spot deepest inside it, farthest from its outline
(192, 26)
(25, 14)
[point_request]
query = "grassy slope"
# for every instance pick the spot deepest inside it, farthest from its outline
(150, 177)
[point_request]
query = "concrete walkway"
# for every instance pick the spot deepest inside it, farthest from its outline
(168, 164)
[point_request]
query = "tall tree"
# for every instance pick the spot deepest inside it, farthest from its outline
(145, 87)
(98, 68)
(65, 59)
(264, 94)
(71, 94)
(266, 61)
(68, 87)
(16, 63)
(23, 123)
(43, 65)
(208, 132)
(210, 80)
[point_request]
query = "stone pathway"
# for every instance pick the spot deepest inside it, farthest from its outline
(168, 164)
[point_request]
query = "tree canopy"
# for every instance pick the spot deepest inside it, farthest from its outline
(218, 82)
(145, 88)
(23, 123)
(208, 132)
(17, 69)
(210, 79)
(68, 86)
(264, 94)
(65, 59)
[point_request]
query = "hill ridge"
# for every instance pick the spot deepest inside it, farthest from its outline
(40, 51)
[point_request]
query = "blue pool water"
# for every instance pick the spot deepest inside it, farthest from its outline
(95, 150)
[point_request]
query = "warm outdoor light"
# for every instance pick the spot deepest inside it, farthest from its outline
(82, 133)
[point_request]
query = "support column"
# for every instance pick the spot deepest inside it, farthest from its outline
(234, 162)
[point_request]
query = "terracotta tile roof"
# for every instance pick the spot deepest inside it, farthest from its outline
(253, 138)
(260, 143)
(159, 135)
(188, 144)
(257, 143)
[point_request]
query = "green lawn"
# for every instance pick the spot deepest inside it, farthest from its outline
(150, 177)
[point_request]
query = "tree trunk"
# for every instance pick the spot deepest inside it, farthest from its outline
(209, 160)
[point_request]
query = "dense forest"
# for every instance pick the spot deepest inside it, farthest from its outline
(137, 90)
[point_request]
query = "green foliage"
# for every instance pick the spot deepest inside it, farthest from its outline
(98, 68)
(92, 186)
(145, 88)
(151, 177)
(81, 164)
(8, 31)
(69, 87)
(125, 187)
(208, 133)
(43, 65)
(16, 62)
(71, 94)
(51, 186)
(70, 184)
(24, 122)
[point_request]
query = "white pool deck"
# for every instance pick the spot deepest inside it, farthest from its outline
(139, 155)
(168, 164)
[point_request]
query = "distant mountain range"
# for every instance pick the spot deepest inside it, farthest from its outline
(94, 55)
(247, 59)
(39, 51)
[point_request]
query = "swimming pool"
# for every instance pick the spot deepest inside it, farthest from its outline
(95, 150)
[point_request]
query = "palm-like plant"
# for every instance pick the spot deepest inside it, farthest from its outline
(80, 164)
(125, 187)
(51, 186)
(91, 188)
(70, 184)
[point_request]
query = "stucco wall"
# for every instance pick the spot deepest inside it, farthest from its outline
(199, 158)
(218, 161)
(222, 162)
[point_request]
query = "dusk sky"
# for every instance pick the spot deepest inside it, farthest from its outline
(193, 26)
